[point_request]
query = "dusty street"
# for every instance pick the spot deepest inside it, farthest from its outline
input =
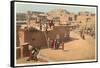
(75, 49)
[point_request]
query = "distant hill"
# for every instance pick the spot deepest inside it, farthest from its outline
(57, 12)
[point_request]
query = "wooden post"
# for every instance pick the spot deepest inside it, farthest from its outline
(21, 51)
(21, 39)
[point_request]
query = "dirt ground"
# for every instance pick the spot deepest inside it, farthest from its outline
(75, 49)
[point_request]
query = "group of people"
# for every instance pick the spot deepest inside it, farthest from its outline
(57, 42)
(48, 24)
(54, 44)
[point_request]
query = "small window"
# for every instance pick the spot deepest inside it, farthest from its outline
(75, 17)
(70, 18)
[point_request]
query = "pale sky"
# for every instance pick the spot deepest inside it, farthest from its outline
(23, 7)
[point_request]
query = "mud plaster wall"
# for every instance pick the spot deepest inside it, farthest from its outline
(38, 39)
(61, 30)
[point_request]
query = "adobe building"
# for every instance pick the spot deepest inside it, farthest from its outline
(37, 39)
(86, 18)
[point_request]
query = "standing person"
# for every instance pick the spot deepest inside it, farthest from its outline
(82, 34)
(52, 24)
(55, 44)
(48, 42)
(40, 26)
(46, 26)
(62, 45)
(65, 37)
(57, 41)
(52, 43)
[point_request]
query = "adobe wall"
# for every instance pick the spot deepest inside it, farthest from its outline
(38, 39)
(61, 30)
